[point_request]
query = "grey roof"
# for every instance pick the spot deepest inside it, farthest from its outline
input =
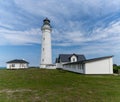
(99, 58)
(17, 61)
(66, 57)
(90, 60)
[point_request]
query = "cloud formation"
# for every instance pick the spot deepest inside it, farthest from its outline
(81, 25)
(74, 22)
(10, 37)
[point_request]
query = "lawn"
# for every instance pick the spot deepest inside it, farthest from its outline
(40, 85)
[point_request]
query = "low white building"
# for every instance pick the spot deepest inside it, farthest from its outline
(102, 65)
(17, 64)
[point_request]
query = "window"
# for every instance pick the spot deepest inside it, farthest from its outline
(43, 49)
(43, 38)
(79, 66)
(42, 60)
(13, 65)
(73, 58)
(22, 65)
(83, 66)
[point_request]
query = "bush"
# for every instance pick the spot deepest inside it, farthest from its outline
(116, 68)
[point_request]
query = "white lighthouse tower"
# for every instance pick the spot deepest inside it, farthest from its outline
(46, 53)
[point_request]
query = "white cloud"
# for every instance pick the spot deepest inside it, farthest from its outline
(67, 31)
(107, 40)
(62, 16)
(62, 8)
(31, 36)
(6, 25)
(108, 33)
(102, 41)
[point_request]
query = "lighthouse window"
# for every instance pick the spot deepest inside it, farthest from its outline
(43, 60)
(43, 49)
(43, 38)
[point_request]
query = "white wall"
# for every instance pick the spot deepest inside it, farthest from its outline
(16, 65)
(52, 66)
(104, 66)
(46, 51)
(59, 65)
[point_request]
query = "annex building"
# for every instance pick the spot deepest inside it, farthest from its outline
(17, 64)
(79, 64)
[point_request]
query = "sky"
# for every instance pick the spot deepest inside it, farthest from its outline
(89, 27)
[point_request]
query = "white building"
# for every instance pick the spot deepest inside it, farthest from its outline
(102, 65)
(17, 64)
(46, 53)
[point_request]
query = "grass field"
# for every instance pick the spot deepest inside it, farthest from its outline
(40, 85)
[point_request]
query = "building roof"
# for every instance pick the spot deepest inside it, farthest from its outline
(90, 60)
(95, 59)
(66, 57)
(17, 61)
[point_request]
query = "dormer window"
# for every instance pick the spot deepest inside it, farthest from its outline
(73, 58)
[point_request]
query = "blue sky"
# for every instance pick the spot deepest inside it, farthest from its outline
(89, 27)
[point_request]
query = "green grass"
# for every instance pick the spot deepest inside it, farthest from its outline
(40, 85)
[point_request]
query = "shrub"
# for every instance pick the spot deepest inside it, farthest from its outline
(116, 68)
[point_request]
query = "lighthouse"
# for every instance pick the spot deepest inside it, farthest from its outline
(46, 51)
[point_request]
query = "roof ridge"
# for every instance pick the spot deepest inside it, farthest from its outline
(17, 61)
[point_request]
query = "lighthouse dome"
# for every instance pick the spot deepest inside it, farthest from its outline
(46, 25)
